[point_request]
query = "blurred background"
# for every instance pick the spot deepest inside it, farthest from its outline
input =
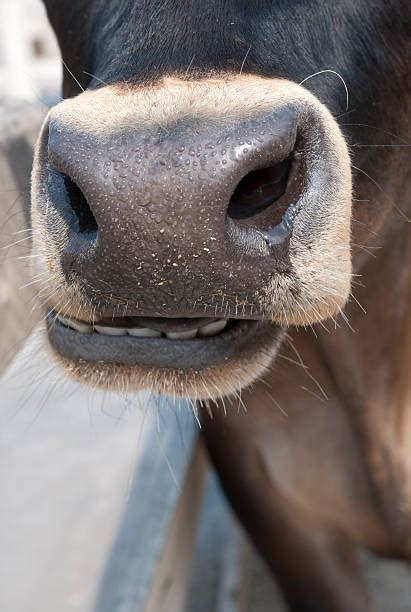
(30, 82)
(30, 67)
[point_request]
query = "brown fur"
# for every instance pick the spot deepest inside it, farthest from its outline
(328, 432)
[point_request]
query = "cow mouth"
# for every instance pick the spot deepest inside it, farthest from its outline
(191, 343)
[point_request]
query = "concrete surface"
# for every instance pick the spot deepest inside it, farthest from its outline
(68, 455)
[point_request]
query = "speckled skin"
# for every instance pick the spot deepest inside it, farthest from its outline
(160, 195)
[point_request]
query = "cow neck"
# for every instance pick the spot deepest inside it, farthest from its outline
(371, 366)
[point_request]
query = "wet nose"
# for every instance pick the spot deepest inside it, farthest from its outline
(144, 203)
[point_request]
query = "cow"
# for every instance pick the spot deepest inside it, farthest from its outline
(220, 210)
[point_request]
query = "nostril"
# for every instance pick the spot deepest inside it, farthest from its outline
(259, 189)
(79, 205)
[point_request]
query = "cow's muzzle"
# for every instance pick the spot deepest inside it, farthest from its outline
(186, 224)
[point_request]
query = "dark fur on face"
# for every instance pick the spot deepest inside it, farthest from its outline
(367, 43)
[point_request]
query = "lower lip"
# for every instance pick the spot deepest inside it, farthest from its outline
(156, 352)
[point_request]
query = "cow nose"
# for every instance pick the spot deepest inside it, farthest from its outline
(174, 208)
